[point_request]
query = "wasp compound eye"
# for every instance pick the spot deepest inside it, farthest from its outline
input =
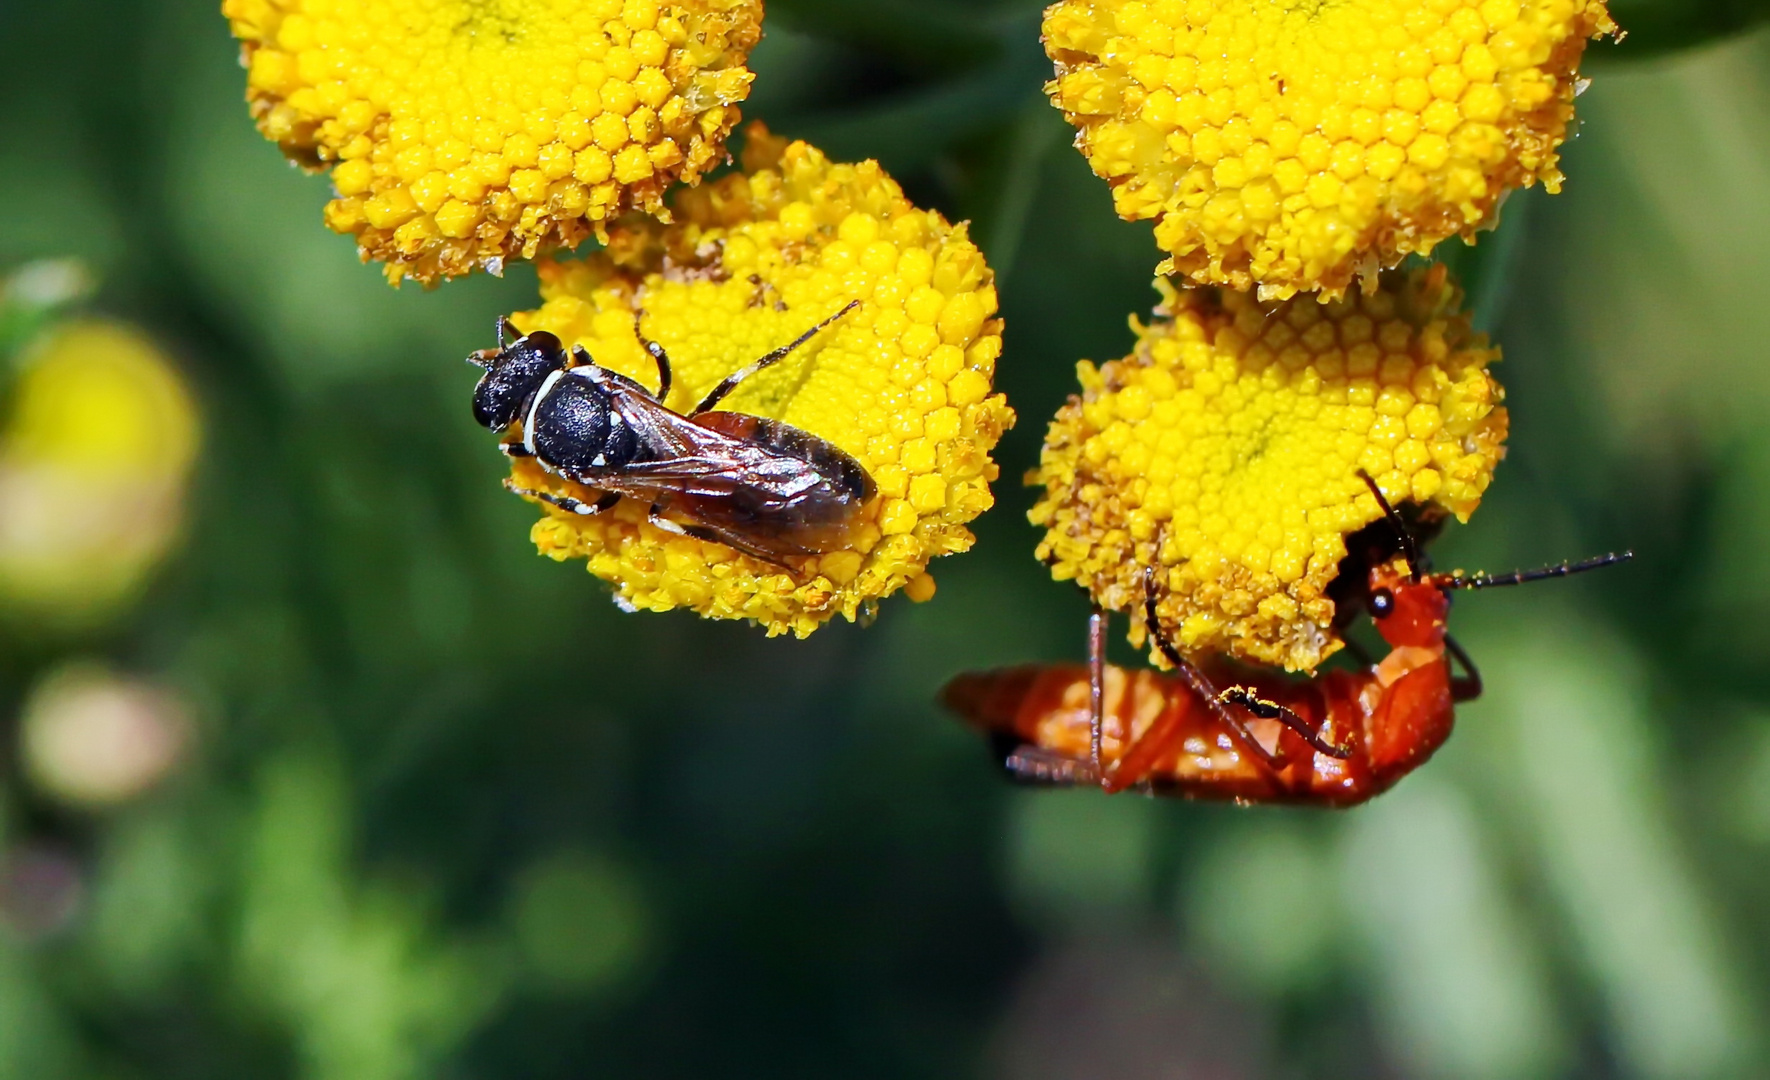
(512, 379)
(1382, 603)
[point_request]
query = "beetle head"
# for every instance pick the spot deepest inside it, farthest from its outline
(1407, 611)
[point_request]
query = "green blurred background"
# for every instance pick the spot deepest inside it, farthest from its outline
(415, 802)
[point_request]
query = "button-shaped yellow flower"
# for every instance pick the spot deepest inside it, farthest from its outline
(462, 133)
(1225, 452)
(1292, 146)
(95, 453)
(902, 382)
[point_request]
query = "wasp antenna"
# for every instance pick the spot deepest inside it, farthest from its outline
(1519, 577)
(730, 383)
(1408, 548)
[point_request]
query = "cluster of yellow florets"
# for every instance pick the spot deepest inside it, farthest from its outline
(1293, 145)
(1225, 452)
(902, 383)
(462, 133)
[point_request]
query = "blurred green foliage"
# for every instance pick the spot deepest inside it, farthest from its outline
(450, 814)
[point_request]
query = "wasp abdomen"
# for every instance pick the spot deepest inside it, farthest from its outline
(844, 475)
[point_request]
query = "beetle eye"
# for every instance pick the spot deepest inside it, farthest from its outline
(1382, 603)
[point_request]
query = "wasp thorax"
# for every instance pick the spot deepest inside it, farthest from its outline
(576, 429)
(513, 375)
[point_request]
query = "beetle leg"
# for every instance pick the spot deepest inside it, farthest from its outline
(566, 502)
(1195, 679)
(1096, 683)
(1468, 687)
(1271, 710)
(515, 450)
(1030, 764)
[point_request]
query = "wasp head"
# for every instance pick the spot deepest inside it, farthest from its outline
(513, 373)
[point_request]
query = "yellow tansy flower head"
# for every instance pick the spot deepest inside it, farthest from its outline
(1225, 452)
(1293, 145)
(464, 132)
(902, 382)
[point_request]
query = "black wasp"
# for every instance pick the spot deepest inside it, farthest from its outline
(763, 487)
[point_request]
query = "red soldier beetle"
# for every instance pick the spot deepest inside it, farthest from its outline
(1336, 739)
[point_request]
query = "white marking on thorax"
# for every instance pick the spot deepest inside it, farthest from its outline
(528, 422)
(1403, 660)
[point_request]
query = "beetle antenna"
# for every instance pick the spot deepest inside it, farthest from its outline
(1409, 548)
(506, 331)
(1519, 577)
(1271, 710)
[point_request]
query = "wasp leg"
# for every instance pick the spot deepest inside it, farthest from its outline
(714, 536)
(1272, 710)
(566, 502)
(731, 381)
(659, 356)
(1195, 679)
(1468, 687)
(656, 516)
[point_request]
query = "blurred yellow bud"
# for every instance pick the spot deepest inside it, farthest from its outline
(95, 451)
(93, 739)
